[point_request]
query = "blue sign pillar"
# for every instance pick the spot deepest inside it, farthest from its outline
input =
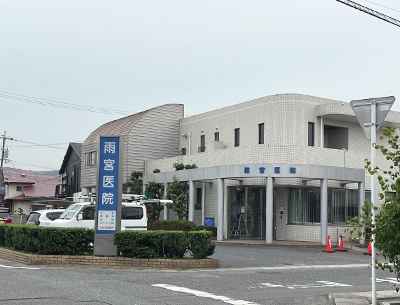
(109, 194)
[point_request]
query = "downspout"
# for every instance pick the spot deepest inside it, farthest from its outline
(322, 132)
(190, 135)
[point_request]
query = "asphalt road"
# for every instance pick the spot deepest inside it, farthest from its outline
(248, 276)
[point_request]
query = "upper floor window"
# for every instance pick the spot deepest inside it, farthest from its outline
(90, 158)
(336, 137)
(202, 147)
(261, 133)
(19, 188)
(216, 136)
(237, 137)
(311, 132)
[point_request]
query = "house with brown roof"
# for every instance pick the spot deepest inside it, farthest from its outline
(26, 191)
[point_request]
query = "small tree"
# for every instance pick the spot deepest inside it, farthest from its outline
(154, 191)
(387, 218)
(136, 183)
(178, 192)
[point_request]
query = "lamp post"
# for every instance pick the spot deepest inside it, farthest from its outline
(371, 113)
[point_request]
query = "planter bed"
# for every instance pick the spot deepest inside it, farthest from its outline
(108, 262)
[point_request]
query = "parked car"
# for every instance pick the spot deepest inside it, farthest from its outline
(82, 215)
(5, 216)
(43, 217)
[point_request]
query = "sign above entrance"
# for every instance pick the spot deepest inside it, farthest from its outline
(261, 170)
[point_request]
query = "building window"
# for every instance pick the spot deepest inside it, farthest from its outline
(311, 133)
(90, 158)
(304, 205)
(261, 133)
(198, 199)
(183, 151)
(336, 137)
(216, 136)
(202, 147)
(19, 188)
(237, 137)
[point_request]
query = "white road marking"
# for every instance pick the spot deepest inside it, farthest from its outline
(389, 280)
(320, 284)
(11, 267)
(290, 267)
(203, 294)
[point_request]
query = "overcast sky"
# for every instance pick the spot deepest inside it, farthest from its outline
(206, 54)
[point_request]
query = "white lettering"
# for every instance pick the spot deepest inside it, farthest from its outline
(107, 198)
(108, 181)
(109, 164)
(109, 147)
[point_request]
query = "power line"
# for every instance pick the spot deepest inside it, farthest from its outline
(46, 102)
(43, 145)
(39, 166)
(382, 6)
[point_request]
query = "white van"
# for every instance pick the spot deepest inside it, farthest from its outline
(81, 215)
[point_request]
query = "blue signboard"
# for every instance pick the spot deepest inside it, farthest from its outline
(107, 194)
(209, 222)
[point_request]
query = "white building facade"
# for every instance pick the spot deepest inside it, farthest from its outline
(282, 167)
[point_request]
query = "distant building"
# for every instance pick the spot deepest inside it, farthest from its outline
(26, 191)
(70, 172)
(148, 135)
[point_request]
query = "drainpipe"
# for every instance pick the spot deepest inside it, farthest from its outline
(322, 132)
(190, 135)
(203, 205)
(344, 157)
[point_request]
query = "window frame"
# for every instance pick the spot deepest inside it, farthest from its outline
(91, 158)
(311, 134)
(237, 137)
(261, 133)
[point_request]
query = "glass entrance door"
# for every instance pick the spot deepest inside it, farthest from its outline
(246, 212)
(255, 212)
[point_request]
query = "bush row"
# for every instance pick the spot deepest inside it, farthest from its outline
(179, 225)
(79, 241)
(161, 243)
(46, 240)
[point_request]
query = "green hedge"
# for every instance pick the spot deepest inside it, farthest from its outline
(172, 225)
(164, 244)
(213, 230)
(47, 240)
(79, 241)
(200, 244)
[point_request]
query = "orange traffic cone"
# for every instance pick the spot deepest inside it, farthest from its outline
(369, 248)
(328, 246)
(341, 247)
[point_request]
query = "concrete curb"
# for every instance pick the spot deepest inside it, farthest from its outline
(363, 298)
(108, 262)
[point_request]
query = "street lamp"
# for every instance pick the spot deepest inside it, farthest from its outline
(371, 113)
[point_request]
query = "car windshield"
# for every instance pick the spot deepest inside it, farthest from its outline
(71, 211)
(4, 215)
(33, 217)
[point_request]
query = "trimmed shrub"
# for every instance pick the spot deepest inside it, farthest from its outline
(201, 245)
(172, 225)
(139, 244)
(175, 244)
(211, 229)
(45, 240)
(151, 244)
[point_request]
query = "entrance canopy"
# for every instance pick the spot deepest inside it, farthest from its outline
(260, 170)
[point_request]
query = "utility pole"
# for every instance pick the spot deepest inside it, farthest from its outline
(4, 137)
